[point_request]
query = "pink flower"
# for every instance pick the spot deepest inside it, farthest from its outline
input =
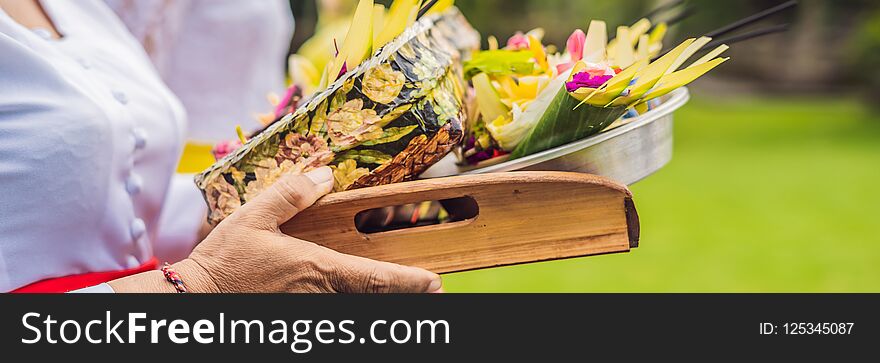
(518, 41)
(305, 151)
(289, 103)
(225, 148)
(575, 50)
(575, 45)
(561, 68)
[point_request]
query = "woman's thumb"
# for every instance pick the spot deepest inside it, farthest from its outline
(288, 196)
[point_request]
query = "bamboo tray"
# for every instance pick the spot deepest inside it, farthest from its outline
(518, 217)
(627, 154)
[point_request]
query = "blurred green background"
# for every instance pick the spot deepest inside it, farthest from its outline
(773, 183)
(763, 195)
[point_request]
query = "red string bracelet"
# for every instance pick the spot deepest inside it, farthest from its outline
(174, 278)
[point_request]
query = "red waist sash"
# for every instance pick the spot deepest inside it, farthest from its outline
(76, 282)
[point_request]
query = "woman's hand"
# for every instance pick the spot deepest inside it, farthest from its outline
(248, 253)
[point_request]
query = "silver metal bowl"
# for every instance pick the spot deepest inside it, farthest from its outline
(627, 154)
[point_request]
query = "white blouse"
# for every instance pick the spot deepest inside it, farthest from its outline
(89, 140)
(220, 57)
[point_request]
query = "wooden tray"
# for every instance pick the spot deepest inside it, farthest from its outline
(522, 217)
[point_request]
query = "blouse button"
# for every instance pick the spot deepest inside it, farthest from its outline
(134, 184)
(138, 229)
(121, 97)
(140, 138)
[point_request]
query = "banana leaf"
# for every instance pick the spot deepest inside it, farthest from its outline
(565, 122)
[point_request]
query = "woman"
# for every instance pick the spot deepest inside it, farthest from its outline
(208, 52)
(89, 140)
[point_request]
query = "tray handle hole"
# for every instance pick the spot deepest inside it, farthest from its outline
(417, 215)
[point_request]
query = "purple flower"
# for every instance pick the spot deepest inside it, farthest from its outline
(479, 157)
(344, 70)
(586, 80)
(470, 143)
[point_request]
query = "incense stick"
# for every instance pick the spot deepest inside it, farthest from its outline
(752, 19)
(747, 36)
(684, 14)
(661, 9)
(745, 22)
(424, 10)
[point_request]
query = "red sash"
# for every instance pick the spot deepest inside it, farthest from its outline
(76, 282)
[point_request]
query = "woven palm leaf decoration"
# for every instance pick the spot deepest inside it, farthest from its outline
(385, 121)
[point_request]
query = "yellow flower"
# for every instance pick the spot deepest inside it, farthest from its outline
(297, 154)
(383, 84)
(352, 124)
(267, 173)
(346, 173)
(237, 175)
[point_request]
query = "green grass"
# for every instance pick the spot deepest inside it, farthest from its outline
(762, 195)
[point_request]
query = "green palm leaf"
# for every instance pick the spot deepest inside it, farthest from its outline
(564, 122)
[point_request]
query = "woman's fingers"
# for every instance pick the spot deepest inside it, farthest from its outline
(287, 197)
(250, 237)
(360, 275)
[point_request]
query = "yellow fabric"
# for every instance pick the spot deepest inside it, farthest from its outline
(196, 158)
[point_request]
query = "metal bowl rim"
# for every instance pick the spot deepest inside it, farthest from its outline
(674, 101)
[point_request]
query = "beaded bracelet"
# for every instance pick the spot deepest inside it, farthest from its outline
(174, 278)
